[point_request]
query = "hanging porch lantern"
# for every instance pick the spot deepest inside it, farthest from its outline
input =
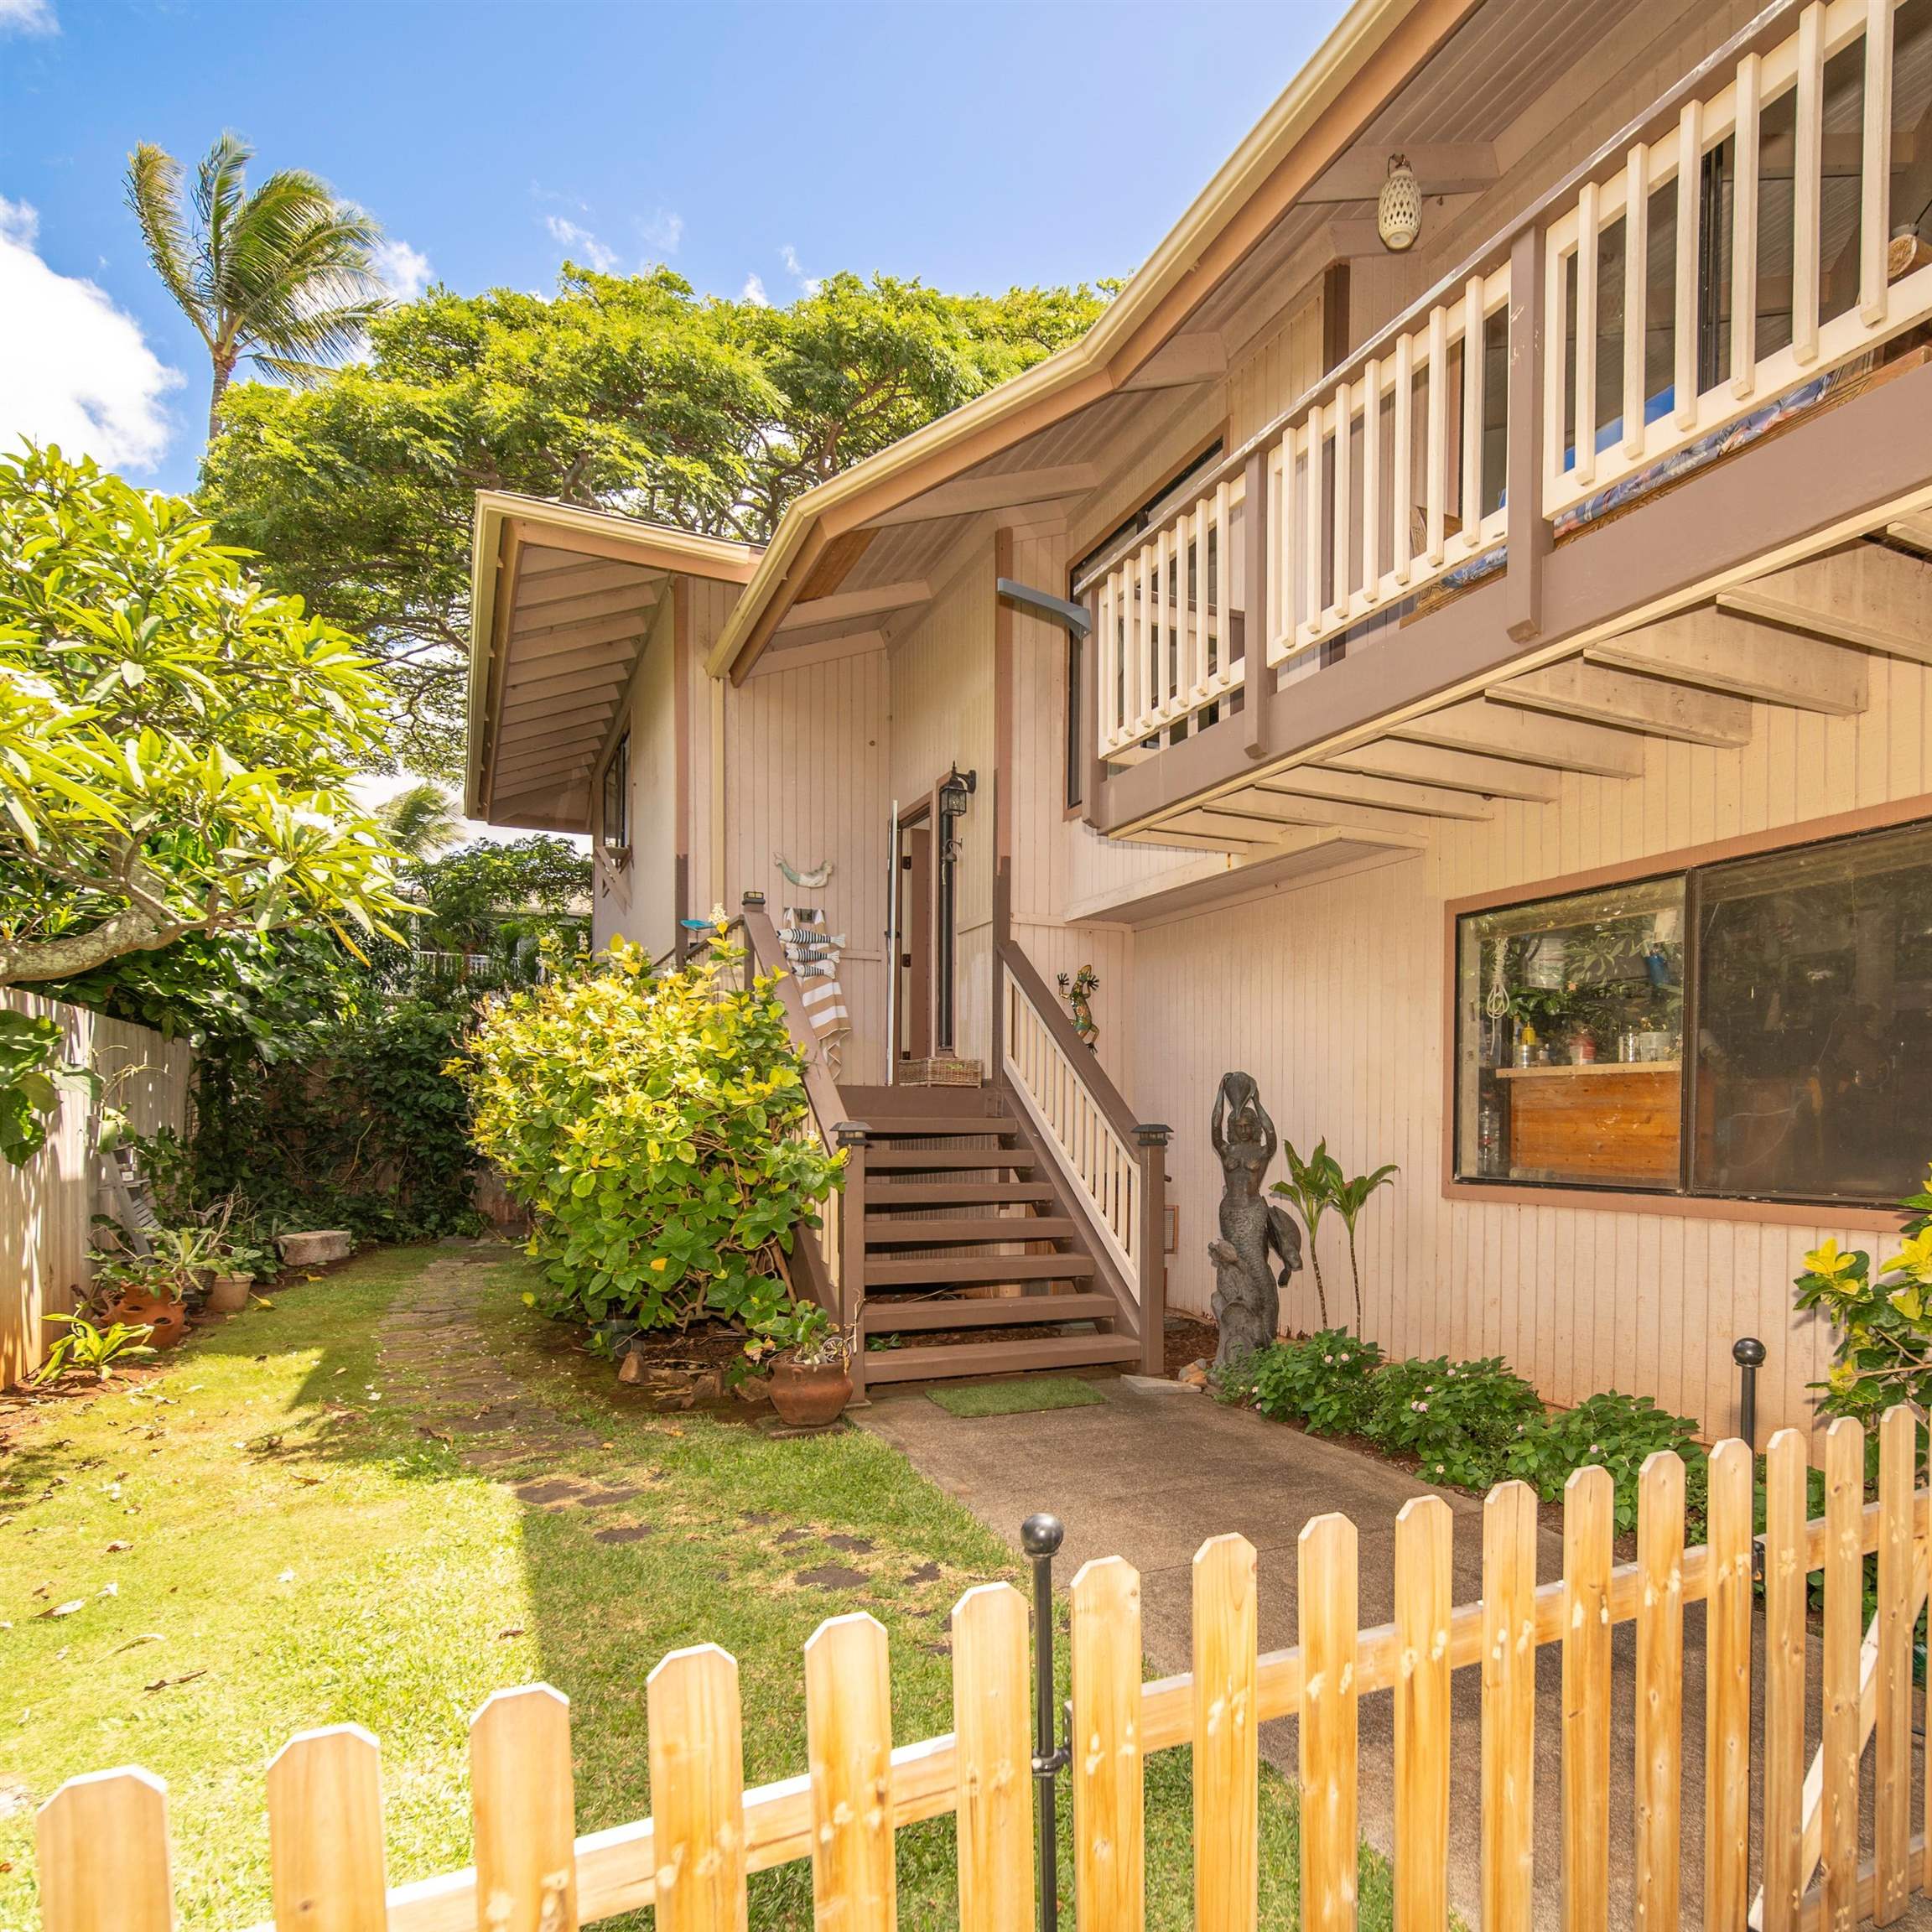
(1398, 210)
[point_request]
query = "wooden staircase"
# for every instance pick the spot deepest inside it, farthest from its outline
(965, 1229)
(985, 1230)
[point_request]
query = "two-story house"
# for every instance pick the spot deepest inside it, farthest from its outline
(1452, 641)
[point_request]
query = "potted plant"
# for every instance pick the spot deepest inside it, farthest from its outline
(151, 1290)
(237, 1258)
(810, 1382)
(142, 1291)
(237, 1263)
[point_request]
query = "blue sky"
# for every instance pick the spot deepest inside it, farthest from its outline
(972, 145)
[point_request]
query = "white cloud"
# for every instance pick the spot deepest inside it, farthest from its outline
(581, 242)
(662, 230)
(811, 284)
(27, 17)
(74, 369)
(754, 292)
(405, 271)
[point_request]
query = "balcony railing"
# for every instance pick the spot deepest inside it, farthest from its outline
(1168, 652)
(1779, 317)
(1683, 302)
(1383, 487)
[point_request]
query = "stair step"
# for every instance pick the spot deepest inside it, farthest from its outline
(919, 1126)
(942, 1270)
(997, 1358)
(903, 1160)
(886, 1230)
(956, 1193)
(986, 1312)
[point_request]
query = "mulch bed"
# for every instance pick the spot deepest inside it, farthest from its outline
(1189, 1339)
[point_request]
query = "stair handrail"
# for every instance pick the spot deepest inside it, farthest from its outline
(817, 1261)
(1117, 1177)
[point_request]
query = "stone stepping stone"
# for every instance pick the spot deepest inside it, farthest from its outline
(859, 1545)
(833, 1576)
(551, 1492)
(625, 1533)
(926, 1573)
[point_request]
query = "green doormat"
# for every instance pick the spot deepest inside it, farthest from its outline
(1021, 1398)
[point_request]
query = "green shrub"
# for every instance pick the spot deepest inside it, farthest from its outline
(369, 1131)
(1324, 1383)
(1617, 1432)
(1459, 1419)
(654, 1127)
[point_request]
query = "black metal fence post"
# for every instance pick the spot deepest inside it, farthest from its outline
(1041, 1537)
(1748, 1352)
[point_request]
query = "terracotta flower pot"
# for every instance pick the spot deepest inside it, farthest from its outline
(165, 1316)
(810, 1394)
(228, 1294)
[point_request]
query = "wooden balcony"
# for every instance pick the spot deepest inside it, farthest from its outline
(1430, 520)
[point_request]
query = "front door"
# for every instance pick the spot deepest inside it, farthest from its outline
(913, 922)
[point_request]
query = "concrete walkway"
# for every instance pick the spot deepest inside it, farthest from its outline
(1156, 1469)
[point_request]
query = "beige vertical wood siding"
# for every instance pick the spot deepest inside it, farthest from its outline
(1333, 996)
(638, 899)
(1282, 365)
(47, 1206)
(805, 775)
(942, 673)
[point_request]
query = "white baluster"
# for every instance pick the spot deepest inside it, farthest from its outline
(1690, 204)
(1636, 292)
(1587, 334)
(1344, 416)
(1807, 185)
(1312, 507)
(1875, 189)
(1223, 589)
(1371, 482)
(1744, 230)
(1438, 482)
(1402, 493)
(1472, 302)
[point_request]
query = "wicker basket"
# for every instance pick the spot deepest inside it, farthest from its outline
(941, 1072)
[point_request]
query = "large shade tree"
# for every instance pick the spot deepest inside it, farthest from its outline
(627, 393)
(176, 741)
(280, 274)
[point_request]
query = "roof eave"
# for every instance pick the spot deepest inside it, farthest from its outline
(1122, 340)
(653, 545)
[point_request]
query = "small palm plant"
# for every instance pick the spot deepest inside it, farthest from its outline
(283, 275)
(1311, 1187)
(1348, 1199)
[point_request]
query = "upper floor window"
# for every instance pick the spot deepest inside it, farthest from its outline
(1759, 1028)
(614, 818)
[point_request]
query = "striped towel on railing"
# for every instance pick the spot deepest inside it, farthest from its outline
(812, 954)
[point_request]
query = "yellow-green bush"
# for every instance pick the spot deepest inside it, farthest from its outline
(653, 1124)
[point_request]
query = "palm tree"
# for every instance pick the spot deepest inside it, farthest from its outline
(421, 822)
(283, 276)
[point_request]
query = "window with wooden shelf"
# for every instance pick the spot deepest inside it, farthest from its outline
(1755, 1029)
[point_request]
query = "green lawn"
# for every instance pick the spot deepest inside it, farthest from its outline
(305, 1554)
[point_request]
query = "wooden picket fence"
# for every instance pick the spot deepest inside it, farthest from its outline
(104, 1847)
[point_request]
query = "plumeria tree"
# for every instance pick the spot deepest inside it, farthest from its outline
(176, 743)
